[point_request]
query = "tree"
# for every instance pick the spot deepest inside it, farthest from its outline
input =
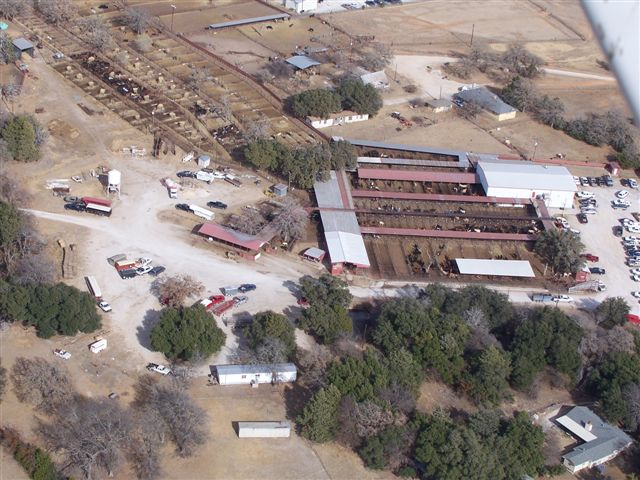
(489, 376)
(521, 61)
(520, 94)
(387, 449)
(184, 333)
(138, 19)
(36, 462)
(55, 11)
(520, 448)
(469, 110)
(10, 224)
(314, 103)
(3, 381)
(7, 50)
(271, 325)
(319, 420)
(41, 384)
(198, 77)
(20, 136)
(11, 8)
(358, 97)
(612, 311)
(343, 155)
(95, 32)
(313, 363)
(629, 156)
(292, 220)
(360, 378)
(549, 111)
(250, 221)
(92, 435)
(561, 250)
(631, 395)
(173, 291)
(143, 43)
(326, 290)
(327, 317)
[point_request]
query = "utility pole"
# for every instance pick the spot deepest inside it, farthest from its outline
(395, 73)
(473, 28)
(173, 11)
(535, 147)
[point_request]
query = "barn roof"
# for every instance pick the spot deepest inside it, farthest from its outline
(245, 21)
(22, 44)
(234, 237)
(417, 175)
(483, 97)
(526, 175)
(301, 62)
(501, 268)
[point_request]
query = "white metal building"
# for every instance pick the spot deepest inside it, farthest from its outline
(301, 5)
(520, 179)
(498, 268)
(264, 429)
(255, 374)
(337, 119)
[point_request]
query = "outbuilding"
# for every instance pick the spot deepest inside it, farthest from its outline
(280, 429)
(377, 79)
(279, 190)
(301, 62)
(336, 119)
(489, 101)
(314, 254)
(300, 6)
(553, 184)
(22, 45)
(439, 105)
(255, 374)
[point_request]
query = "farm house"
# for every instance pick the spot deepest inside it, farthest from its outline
(255, 374)
(264, 429)
(518, 179)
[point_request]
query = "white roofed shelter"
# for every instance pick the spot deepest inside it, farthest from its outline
(499, 268)
(520, 179)
(301, 62)
(264, 429)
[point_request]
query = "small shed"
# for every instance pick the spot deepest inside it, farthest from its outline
(301, 6)
(255, 374)
(614, 168)
(439, 105)
(22, 45)
(279, 189)
(301, 62)
(314, 254)
(204, 161)
(281, 429)
(377, 79)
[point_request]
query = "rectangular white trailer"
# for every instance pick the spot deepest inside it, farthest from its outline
(255, 374)
(280, 429)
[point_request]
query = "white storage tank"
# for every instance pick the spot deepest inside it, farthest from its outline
(280, 429)
(204, 161)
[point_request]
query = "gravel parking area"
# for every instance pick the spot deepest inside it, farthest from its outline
(598, 237)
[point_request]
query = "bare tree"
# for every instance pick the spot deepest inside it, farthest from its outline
(7, 50)
(376, 57)
(121, 58)
(314, 363)
(601, 342)
(271, 351)
(463, 68)
(35, 269)
(250, 221)
(469, 110)
(40, 383)
(348, 432)
(631, 393)
(55, 11)
(5, 153)
(184, 421)
(173, 291)
(224, 109)
(371, 418)
(11, 8)
(279, 69)
(292, 220)
(147, 439)
(399, 397)
(198, 77)
(143, 43)
(138, 19)
(92, 434)
(11, 92)
(95, 32)
(11, 191)
(257, 130)
(40, 132)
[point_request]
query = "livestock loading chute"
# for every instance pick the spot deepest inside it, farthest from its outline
(97, 206)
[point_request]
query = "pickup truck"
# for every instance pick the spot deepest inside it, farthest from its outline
(542, 298)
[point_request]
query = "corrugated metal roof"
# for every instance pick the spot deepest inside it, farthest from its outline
(217, 231)
(245, 21)
(345, 247)
(314, 252)
(301, 61)
(375, 78)
(526, 175)
(439, 197)
(267, 425)
(483, 97)
(500, 268)
(329, 194)
(254, 369)
(407, 148)
(414, 232)
(603, 439)
(22, 44)
(417, 175)
(413, 161)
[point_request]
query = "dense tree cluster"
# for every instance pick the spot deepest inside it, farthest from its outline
(351, 94)
(561, 250)
(264, 329)
(55, 11)
(21, 136)
(301, 166)
(327, 317)
(36, 462)
(51, 309)
(186, 333)
(516, 60)
(612, 311)
(7, 50)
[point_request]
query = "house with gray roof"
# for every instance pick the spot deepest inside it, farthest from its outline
(483, 97)
(599, 441)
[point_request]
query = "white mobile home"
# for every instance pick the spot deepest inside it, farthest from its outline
(98, 345)
(94, 288)
(337, 119)
(202, 212)
(264, 429)
(255, 374)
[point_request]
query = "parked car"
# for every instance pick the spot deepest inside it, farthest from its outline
(216, 204)
(143, 270)
(608, 181)
(590, 257)
(155, 271)
(597, 270)
(635, 294)
(247, 287)
(76, 207)
(588, 210)
(161, 369)
(618, 231)
(636, 278)
(582, 218)
(183, 206)
(217, 299)
(186, 174)
(633, 228)
(630, 238)
(635, 271)
(584, 181)
(632, 183)
(622, 193)
(589, 202)
(562, 222)
(240, 300)
(62, 354)
(104, 306)
(592, 181)
(584, 194)
(562, 298)
(144, 261)
(620, 204)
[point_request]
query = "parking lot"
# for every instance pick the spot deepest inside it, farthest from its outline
(598, 238)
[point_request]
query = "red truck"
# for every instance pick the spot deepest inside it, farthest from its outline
(223, 307)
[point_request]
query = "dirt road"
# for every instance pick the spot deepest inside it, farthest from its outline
(587, 76)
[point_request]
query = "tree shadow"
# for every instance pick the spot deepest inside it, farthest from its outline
(293, 287)
(296, 396)
(143, 332)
